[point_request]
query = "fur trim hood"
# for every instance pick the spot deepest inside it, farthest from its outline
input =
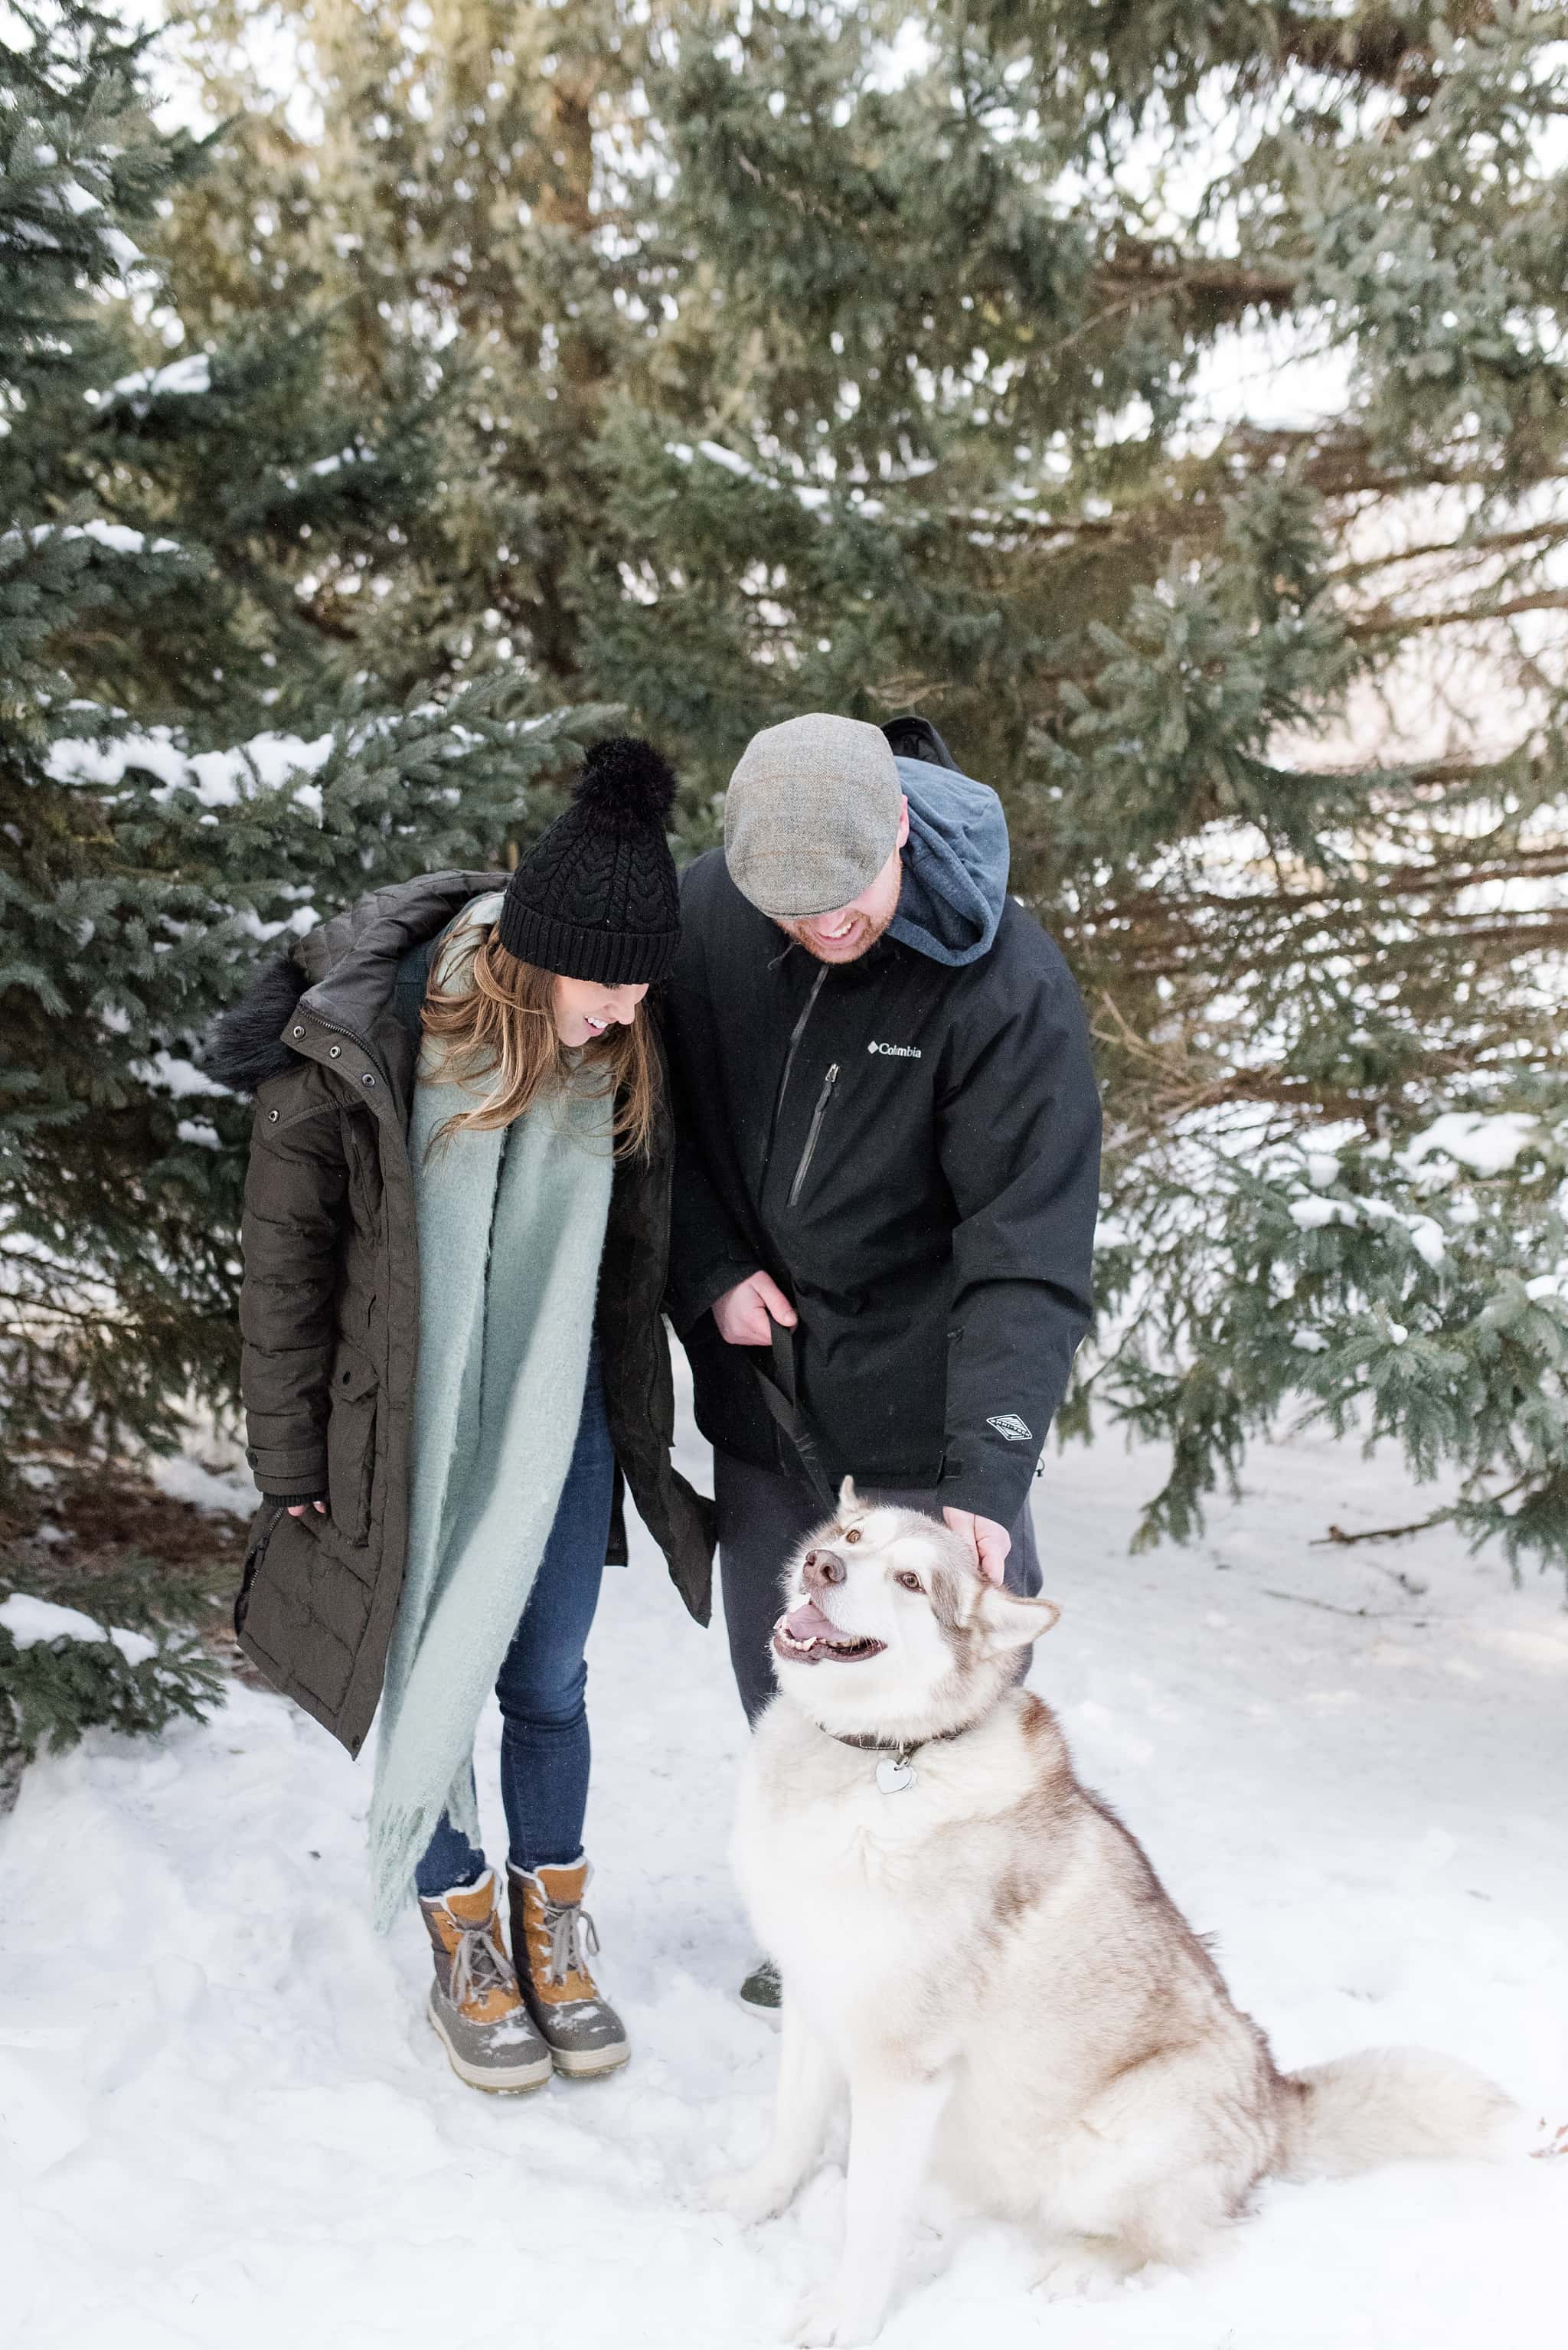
(348, 969)
(244, 1044)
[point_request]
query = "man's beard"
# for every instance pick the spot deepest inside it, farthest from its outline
(865, 938)
(865, 935)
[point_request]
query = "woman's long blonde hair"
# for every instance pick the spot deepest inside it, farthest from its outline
(499, 1029)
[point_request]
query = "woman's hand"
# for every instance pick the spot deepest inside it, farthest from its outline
(298, 1508)
(742, 1313)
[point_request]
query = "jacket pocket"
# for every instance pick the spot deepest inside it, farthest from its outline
(351, 1442)
(306, 1614)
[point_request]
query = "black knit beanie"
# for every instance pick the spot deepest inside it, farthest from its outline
(595, 897)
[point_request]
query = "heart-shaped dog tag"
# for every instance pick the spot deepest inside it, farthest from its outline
(894, 1774)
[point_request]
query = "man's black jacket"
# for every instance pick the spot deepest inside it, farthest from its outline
(912, 1151)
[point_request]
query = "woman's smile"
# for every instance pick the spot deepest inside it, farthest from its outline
(587, 1009)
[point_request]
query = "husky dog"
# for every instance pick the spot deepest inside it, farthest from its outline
(977, 1950)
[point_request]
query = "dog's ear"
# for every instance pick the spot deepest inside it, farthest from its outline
(1009, 1620)
(848, 1499)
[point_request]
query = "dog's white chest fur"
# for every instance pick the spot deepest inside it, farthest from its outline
(866, 1899)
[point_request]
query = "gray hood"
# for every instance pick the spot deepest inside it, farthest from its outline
(955, 864)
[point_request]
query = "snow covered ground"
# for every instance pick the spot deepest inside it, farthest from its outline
(224, 2120)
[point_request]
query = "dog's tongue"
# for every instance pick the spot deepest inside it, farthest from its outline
(809, 1623)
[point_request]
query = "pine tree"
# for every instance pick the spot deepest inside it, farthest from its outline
(64, 1671)
(187, 774)
(800, 357)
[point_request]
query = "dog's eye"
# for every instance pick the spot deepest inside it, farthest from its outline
(853, 1534)
(910, 1582)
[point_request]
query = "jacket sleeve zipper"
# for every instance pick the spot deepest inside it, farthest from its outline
(817, 1115)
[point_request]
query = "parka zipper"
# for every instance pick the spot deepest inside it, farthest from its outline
(795, 1033)
(817, 1115)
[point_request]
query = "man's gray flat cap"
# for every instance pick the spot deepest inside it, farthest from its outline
(812, 815)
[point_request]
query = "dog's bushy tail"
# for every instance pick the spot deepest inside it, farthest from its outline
(1387, 2104)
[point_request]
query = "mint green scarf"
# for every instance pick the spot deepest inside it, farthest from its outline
(511, 1230)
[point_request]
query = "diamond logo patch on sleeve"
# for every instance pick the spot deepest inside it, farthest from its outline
(1007, 1424)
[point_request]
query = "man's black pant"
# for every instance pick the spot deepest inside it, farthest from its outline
(763, 1517)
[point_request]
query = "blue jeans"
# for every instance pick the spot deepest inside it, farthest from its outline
(545, 1748)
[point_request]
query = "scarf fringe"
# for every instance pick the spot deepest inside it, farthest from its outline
(395, 1842)
(396, 1839)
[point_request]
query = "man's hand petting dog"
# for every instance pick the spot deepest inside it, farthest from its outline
(988, 1542)
(745, 1314)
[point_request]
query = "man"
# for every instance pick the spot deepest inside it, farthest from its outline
(888, 1149)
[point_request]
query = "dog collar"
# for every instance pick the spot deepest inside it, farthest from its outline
(895, 1767)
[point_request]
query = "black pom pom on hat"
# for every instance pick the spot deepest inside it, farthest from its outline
(595, 897)
(628, 778)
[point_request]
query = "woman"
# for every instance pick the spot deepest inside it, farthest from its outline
(455, 1245)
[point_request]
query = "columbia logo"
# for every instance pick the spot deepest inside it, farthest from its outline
(897, 1052)
(1007, 1424)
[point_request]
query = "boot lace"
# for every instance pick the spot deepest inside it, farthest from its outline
(479, 1964)
(574, 1940)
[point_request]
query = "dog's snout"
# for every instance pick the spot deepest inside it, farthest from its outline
(822, 1566)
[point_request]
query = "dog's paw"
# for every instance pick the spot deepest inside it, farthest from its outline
(1081, 2272)
(828, 2322)
(751, 2196)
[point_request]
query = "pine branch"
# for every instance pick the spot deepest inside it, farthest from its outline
(1377, 46)
(1335, 1608)
(1337, 1537)
(1141, 270)
(1347, 886)
(1387, 622)
(1459, 550)
(1341, 460)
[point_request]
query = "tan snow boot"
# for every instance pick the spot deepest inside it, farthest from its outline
(476, 2006)
(554, 1939)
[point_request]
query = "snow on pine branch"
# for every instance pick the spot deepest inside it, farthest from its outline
(217, 779)
(118, 538)
(30, 1620)
(1488, 1145)
(165, 1072)
(268, 763)
(187, 377)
